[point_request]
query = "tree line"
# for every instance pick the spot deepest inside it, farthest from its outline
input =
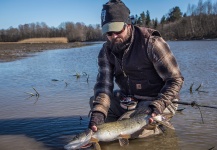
(73, 31)
(200, 21)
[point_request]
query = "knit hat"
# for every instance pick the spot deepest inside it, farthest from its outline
(114, 15)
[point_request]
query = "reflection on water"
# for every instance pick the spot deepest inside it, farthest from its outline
(50, 121)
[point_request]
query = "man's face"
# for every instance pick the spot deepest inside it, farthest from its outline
(120, 37)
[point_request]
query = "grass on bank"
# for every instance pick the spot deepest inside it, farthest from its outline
(40, 40)
(45, 40)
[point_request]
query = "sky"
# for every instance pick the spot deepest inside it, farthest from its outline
(54, 12)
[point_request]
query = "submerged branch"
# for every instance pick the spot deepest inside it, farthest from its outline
(32, 94)
(191, 87)
(197, 89)
(37, 94)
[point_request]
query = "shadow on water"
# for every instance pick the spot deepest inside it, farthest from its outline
(52, 133)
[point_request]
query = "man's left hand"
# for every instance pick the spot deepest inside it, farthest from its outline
(151, 120)
(154, 113)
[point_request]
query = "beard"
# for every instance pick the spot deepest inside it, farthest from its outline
(118, 45)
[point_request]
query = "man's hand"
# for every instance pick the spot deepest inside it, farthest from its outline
(96, 119)
(94, 128)
(151, 120)
(154, 113)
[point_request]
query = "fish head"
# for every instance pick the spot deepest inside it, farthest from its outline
(79, 140)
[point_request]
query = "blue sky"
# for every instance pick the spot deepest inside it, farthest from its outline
(54, 12)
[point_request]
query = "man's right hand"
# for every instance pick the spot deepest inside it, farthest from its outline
(96, 119)
(94, 128)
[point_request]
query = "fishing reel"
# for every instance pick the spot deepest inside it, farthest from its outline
(128, 103)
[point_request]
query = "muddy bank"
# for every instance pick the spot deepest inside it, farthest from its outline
(14, 51)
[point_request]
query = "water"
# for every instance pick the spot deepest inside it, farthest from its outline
(47, 122)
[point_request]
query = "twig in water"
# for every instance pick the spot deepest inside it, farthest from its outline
(54, 80)
(77, 75)
(37, 94)
(31, 94)
(191, 87)
(36, 100)
(81, 119)
(87, 78)
(200, 114)
(66, 83)
(197, 89)
(203, 91)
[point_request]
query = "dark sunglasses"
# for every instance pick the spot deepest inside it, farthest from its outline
(116, 33)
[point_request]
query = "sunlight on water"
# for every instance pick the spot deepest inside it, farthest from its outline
(50, 120)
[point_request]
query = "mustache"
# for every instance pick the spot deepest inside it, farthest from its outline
(115, 43)
(117, 40)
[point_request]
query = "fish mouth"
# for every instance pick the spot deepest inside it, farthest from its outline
(87, 145)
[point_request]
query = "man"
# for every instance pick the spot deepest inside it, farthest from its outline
(142, 65)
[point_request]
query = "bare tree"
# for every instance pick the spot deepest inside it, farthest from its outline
(208, 7)
(215, 8)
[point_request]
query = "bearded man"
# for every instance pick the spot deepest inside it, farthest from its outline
(142, 65)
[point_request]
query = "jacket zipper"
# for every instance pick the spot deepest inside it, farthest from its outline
(122, 69)
(121, 65)
(125, 75)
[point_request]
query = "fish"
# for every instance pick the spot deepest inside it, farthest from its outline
(120, 130)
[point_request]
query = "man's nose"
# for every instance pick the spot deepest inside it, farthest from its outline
(114, 35)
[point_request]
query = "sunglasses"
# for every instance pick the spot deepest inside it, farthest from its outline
(116, 33)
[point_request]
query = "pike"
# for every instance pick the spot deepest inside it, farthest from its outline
(119, 130)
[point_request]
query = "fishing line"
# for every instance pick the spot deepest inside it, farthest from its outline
(194, 103)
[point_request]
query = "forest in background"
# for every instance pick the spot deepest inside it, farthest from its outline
(199, 22)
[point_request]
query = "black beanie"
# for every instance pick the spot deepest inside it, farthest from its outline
(114, 15)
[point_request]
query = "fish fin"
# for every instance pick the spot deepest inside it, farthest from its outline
(127, 115)
(151, 126)
(94, 140)
(95, 143)
(123, 140)
(96, 146)
(124, 136)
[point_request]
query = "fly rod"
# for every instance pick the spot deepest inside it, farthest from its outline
(194, 103)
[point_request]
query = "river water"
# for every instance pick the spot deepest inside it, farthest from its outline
(48, 121)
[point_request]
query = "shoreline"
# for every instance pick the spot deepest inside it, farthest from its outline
(15, 51)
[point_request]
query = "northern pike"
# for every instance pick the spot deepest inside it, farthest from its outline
(119, 130)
